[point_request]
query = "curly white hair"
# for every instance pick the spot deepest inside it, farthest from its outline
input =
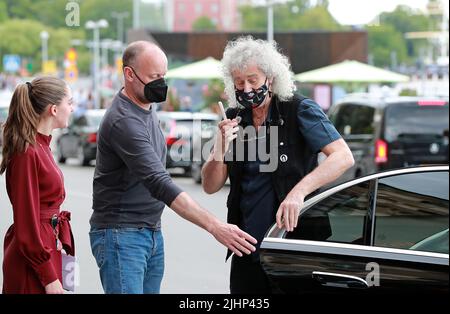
(246, 50)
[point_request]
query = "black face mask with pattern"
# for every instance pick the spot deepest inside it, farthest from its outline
(154, 91)
(253, 99)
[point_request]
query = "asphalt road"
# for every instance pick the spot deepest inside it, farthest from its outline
(194, 260)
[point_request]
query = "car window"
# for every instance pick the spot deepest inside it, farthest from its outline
(3, 113)
(338, 218)
(354, 120)
(164, 125)
(81, 121)
(412, 212)
(94, 120)
(409, 121)
(209, 125)
(208, 128)
(183, 128)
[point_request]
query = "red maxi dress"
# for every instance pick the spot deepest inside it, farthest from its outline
(35, 187)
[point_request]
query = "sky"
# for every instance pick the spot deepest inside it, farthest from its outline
(356, 12)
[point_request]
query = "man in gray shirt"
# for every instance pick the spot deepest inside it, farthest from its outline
(132, 186)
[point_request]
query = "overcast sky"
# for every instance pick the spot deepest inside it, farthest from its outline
(363, 11)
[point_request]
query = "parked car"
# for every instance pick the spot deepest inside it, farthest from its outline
(3, 117)
(382, 233)
(5, 100)
(203, 142)
(184, 132)
(389, 133)
(79, 140)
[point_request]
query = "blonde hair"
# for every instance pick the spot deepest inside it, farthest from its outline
(246, 50)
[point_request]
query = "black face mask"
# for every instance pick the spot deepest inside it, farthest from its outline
(252, 99)
(155, 91)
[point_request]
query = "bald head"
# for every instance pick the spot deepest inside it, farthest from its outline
(139, 49)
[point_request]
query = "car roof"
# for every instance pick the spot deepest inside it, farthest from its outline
(205, 116)
(183, 115)
(380, 102)
(95, 112)
(275, 232)
(5, 98)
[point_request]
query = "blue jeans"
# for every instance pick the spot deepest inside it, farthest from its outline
(131, 260)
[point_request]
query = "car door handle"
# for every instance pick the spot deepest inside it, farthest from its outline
(339, 280)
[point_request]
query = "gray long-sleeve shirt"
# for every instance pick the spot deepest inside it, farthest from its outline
(131, 184)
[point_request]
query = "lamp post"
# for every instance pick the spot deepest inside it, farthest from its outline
(136, 8)
(95, 26)
(44, 38)
(120, 16)
(269, 20)
(105, 44)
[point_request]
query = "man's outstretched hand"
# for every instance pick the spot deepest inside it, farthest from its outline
(234, 238)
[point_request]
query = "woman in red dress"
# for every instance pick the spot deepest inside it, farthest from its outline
(32, 249)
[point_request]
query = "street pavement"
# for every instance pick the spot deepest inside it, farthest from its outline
(194, 260)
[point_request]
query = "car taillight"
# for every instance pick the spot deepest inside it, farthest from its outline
(92, 138)
(381, 151)
(172, 140)
(173, 137)
(431, 102)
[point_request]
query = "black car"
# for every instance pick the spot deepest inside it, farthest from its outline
(79, 140)
(185, 133)
(390, 133)
(382, 233)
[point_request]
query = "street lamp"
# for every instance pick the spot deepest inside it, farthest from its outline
(105, 44)
(95, 26)
(269, 20)
(120, 16)
(44, 37)
(136, 9)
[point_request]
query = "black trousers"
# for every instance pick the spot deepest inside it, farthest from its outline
(248, 277)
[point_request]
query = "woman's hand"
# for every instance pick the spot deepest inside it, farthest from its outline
(54, 287)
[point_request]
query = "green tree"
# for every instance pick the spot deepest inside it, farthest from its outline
(404, 19)
(28, 43)
(383, 40)
(204, 23)
(290, 16)
(3, 12)
(60, 41)
(51, 11)
(102, 9)
(253, 18)
(318, 18)
(18, 8)
(213, 94)
(20, 37)
(84, 60)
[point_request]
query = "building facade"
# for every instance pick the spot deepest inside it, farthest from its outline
(181, 14)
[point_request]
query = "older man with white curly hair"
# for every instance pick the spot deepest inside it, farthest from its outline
(260, 90)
